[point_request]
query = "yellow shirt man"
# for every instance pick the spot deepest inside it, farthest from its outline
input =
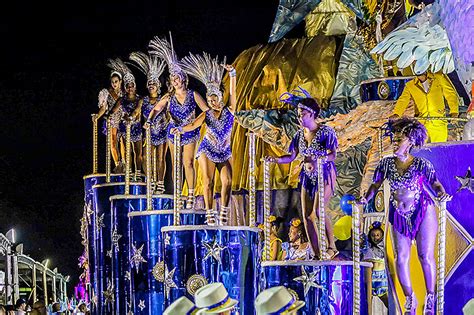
(428, 92)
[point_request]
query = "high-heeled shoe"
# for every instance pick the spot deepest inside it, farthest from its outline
(211, 217)
(429, 307)
(224, 215)
(410, 304)
(190, 202)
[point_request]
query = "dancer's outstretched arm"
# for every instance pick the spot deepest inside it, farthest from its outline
(191, 126)
(158, 107)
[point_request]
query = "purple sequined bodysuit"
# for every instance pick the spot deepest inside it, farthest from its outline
(324, 140)
(181, 115)
(216, 142)
(420, 171)
(159, 124)
(127, 107)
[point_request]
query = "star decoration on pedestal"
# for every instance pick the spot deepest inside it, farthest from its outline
(159, 271)
(109, 253)
(127, 275)
(308, 281)
(137, 258)
(467, 182)
(141, 305)
(99, 223)
(109, 293)
(213, 249)
(115, 238)
(169, 283)
(167, 239)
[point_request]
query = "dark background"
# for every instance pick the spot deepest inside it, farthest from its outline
(52, 66)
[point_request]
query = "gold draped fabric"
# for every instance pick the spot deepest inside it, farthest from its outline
(264, 72)
(330, 17)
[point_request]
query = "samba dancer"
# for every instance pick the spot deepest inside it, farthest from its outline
(107, 99)
(127, 104)
(412, 214)
(214, 150)
(313, 141)
(153, 68)
(181, 104)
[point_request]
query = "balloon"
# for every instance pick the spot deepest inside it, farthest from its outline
(346, 207)
(343, 228)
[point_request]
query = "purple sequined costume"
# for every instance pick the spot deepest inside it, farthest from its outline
(159, 124)
(128, 106)
(324, 140)
(181, 115)
(419, 172)
(216, 142)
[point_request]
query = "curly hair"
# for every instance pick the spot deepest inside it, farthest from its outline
(411, 128)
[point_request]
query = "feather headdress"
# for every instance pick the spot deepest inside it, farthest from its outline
(151, 66)
(119, 66)
(164, 50)
(206, 69)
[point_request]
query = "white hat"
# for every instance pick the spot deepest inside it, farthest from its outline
(181, 306)
(276, 300)
(213, 299)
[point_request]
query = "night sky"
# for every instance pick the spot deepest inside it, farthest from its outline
(52, 66)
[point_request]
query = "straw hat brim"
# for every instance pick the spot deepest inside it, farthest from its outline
(296, 306)
(226, 307)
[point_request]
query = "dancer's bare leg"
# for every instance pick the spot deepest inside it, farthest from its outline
(425, 245)
(225, 172)
(309, 219)
(401, 248)
(208, 169)
(161, 161)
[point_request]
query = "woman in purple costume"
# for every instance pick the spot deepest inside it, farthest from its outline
(181, 103)
(128, 105)
(107, 99)
(411, 210)
(153, 68)
(214, 150)
(314, 141)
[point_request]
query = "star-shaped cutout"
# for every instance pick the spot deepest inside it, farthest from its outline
(308, 281)
(127, 275)
(467, 182)
(159, 271)
(169, 283)
(141, 305)
(167, 239)
(137, 258)
(99, 222)
(213, 249)
(109, 293)
(109, 253)
(115, 238)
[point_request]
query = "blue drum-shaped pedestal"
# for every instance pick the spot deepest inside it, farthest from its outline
(89, 182)
(324, 285)
(102, 239)
(121, 205)
(146, 258)
(196, 255)
(383, 89)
